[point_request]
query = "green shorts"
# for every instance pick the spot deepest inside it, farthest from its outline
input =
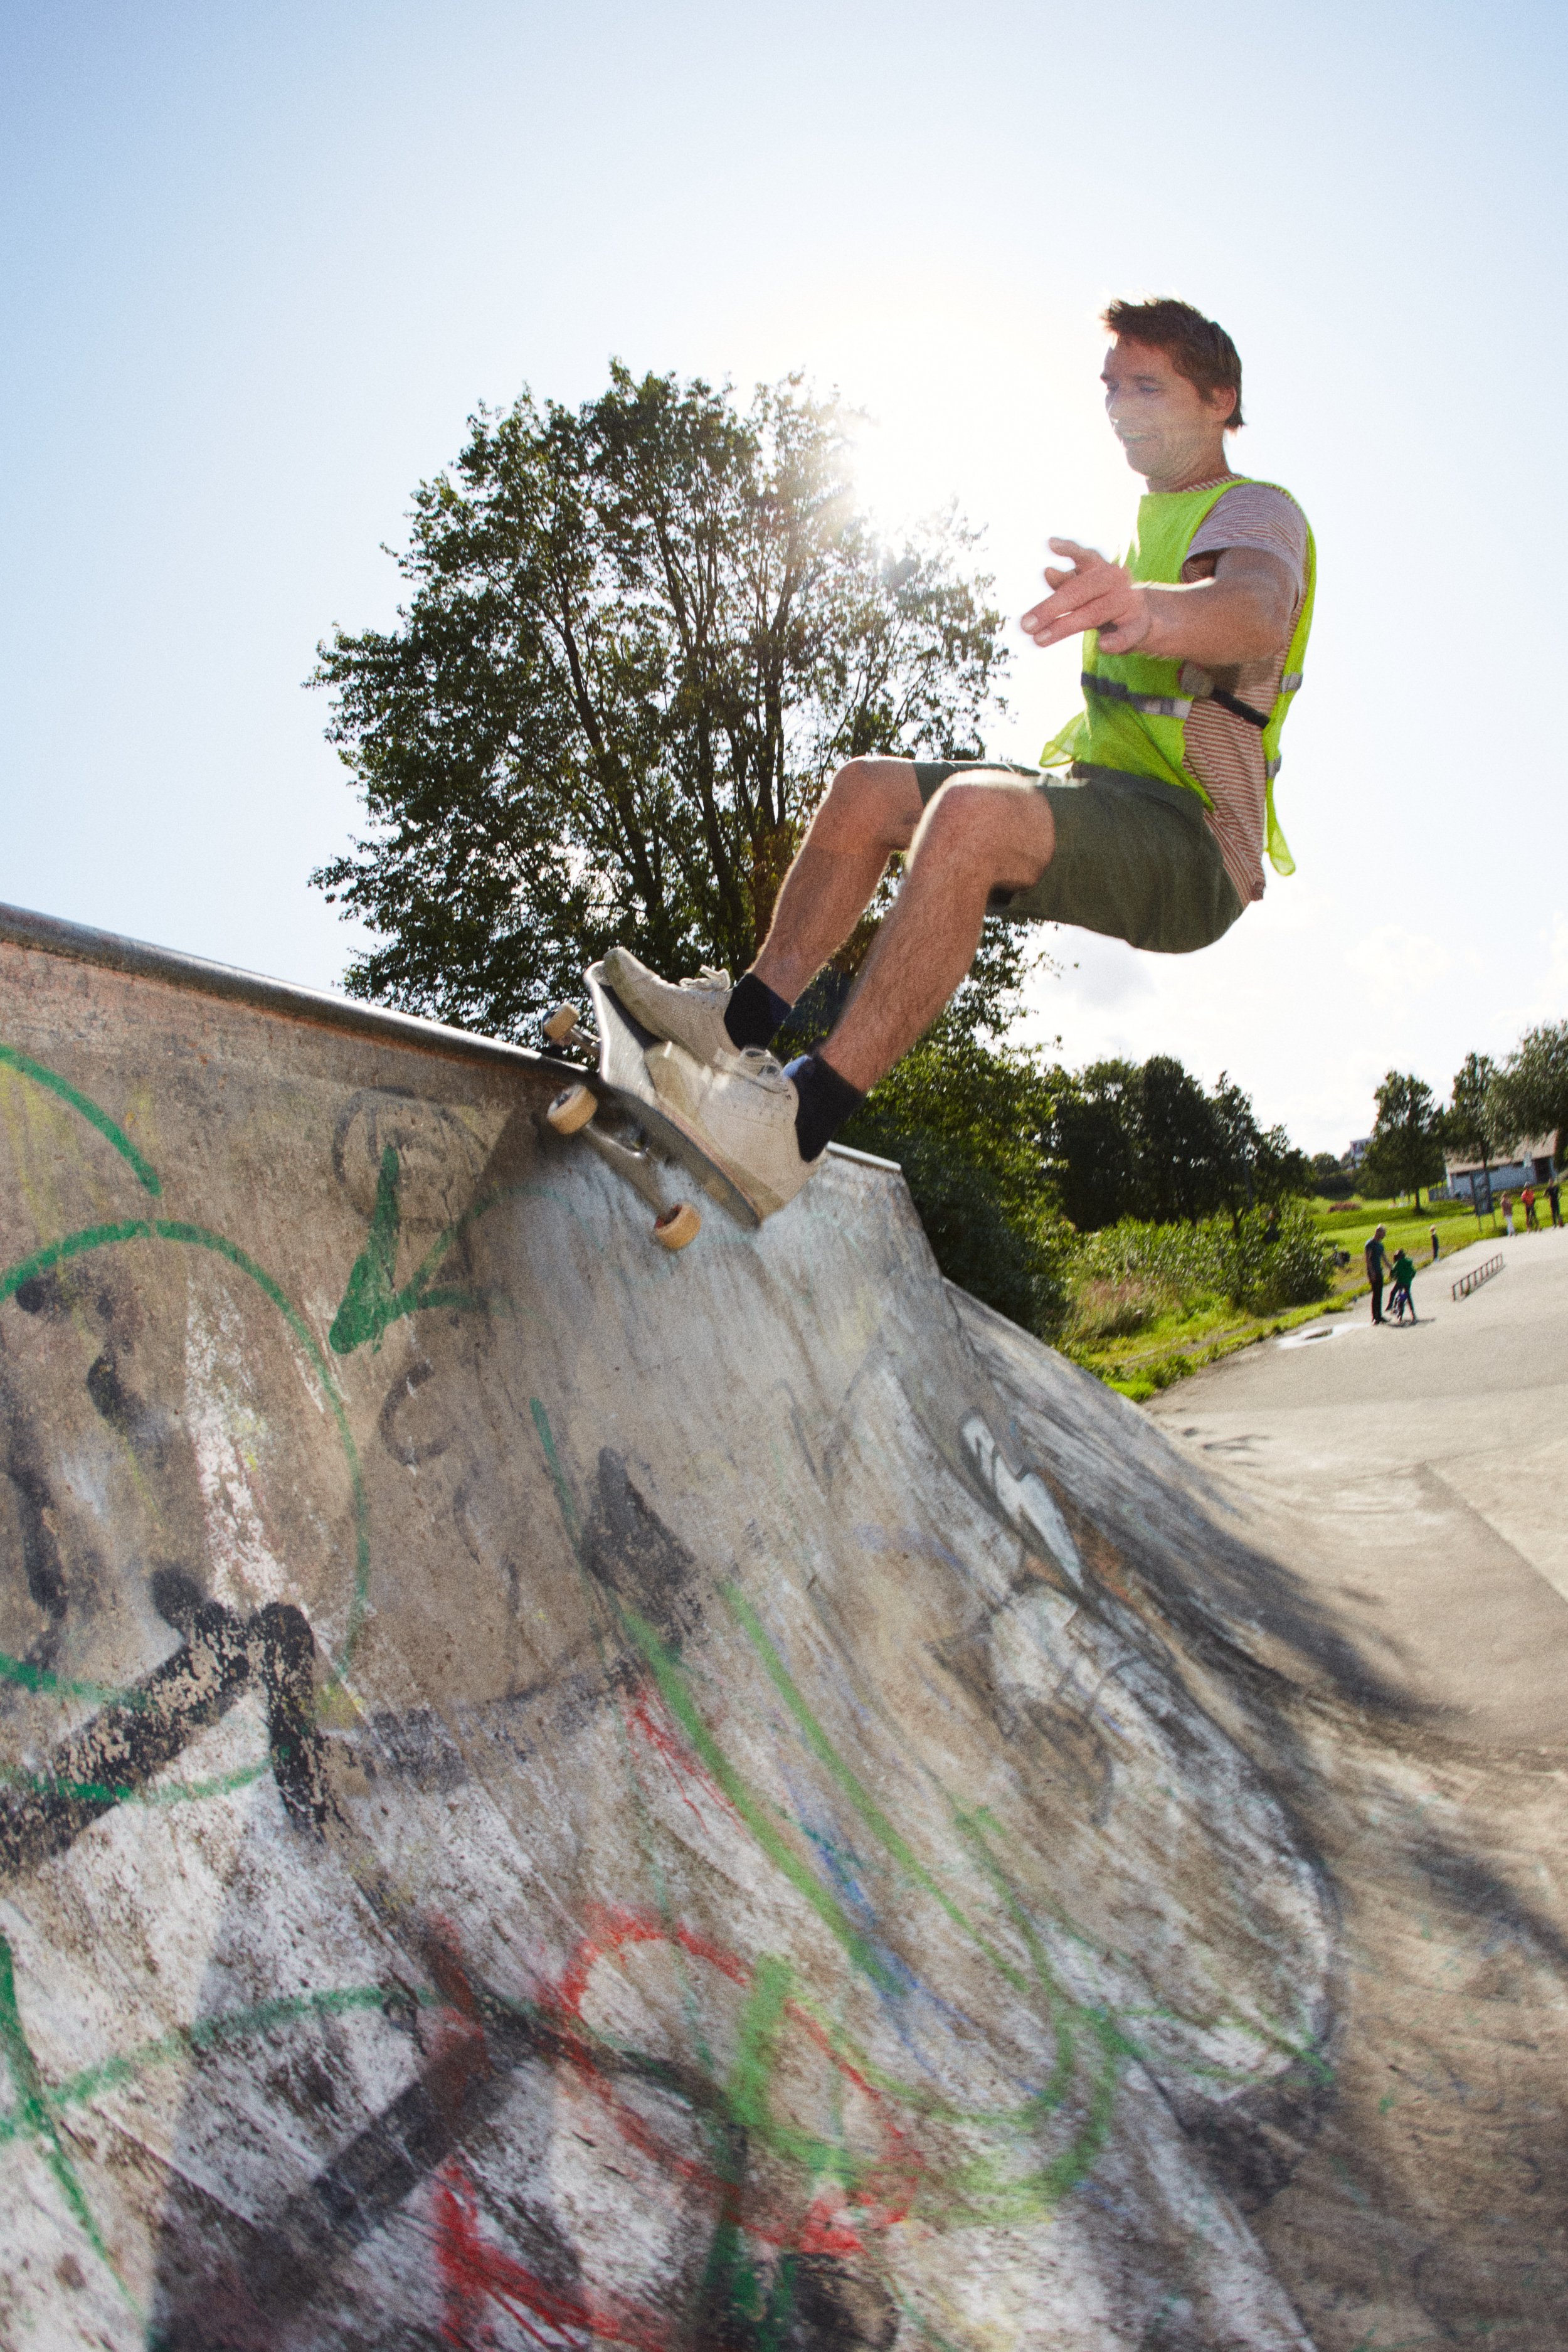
(1133, 857)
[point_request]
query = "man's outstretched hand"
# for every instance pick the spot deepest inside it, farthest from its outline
(1089, 593)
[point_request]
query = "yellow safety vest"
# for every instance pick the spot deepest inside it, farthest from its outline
(1137, 706)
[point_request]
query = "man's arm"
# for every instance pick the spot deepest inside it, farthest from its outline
(1243, 614)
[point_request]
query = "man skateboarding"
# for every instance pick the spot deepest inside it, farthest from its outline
(1146, 820)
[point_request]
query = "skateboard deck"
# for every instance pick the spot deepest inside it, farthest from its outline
(622, 1084)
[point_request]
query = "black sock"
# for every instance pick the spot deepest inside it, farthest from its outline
(754, 1016)
(826, 1101)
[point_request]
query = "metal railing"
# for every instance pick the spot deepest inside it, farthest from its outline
(1478, 1274)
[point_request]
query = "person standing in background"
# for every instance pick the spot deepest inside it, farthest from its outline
(1377, 1260)
(1435, 1250)
(1528, 1197)
(1555, 1199)
(1508, 1215)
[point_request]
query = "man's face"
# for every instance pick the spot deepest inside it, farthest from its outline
(1169, 430)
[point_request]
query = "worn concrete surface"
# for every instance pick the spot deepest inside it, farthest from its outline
(557, 1795)
(1419, 1474)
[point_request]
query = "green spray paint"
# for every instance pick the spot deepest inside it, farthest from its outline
(99, 1792)
(214, 2032)
(731, 2282)
(762, 2023)
(671, 1677)
(372, 1299)
(1092, 2044)
(855, 1788)
(32, 2117)
(668, 1674)
(28, 1676)
(565, 1501)
(146, 1175)
(983, 2187)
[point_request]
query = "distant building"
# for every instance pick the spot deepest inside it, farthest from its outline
(1535, 1162)
(1358, 1150)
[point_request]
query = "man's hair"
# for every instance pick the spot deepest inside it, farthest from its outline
(1198, 348)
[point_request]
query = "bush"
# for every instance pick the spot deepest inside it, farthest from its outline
(1104, 1309)
(1003, 1249)
(963, 1119)
(1331, 1180)
(1278, 1259)
(1182, 1262)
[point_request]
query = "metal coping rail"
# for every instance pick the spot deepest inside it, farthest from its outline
(78, 944)
(1478, 1274)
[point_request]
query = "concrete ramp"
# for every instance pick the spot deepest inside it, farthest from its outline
(555, 1795)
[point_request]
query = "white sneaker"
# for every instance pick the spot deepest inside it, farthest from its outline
(743, 1114)
(690, 1012)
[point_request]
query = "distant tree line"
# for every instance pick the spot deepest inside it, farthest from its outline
(1146, 1140)
(1492, 1108)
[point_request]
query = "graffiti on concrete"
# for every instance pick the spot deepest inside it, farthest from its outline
(487, 1848)
(1024, 1498)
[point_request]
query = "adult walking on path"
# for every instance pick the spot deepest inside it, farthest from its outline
(1376, 1256)
(1146, 819)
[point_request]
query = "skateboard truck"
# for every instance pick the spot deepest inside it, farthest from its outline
(565, 1027)
(571, 1113)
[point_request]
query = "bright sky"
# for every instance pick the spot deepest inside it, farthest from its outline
(258, 265)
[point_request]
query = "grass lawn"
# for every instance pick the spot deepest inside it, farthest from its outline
(1351, 1224)
(1176, 1344)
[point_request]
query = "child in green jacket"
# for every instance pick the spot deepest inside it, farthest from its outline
(1404, 1271)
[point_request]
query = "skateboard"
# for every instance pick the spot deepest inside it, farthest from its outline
(615, 1109)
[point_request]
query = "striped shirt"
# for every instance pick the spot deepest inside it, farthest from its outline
(1224, 752)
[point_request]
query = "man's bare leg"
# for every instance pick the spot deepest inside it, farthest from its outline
(989, 831)
(871, 809)
(979, 835)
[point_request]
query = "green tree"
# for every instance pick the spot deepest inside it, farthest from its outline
(1529, 1095)
(1407, 1148)
(1331, 1180)
(1182, 1143)
(1239, 1149)
(640, 637)
(1282, 1170)
(1252, 1165)
(1477, 1124)
(968, 1117)
(1094, 1142)
(1149, 1142)
(1278, 1257)
(965, 1121)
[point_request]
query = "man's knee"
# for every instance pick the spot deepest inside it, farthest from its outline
(1000, 827)
(878, 799)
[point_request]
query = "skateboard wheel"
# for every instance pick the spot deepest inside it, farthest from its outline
(562, 1023)
(573, 1109)
(678, 1227)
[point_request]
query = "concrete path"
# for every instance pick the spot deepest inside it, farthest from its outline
(1417, 1476)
